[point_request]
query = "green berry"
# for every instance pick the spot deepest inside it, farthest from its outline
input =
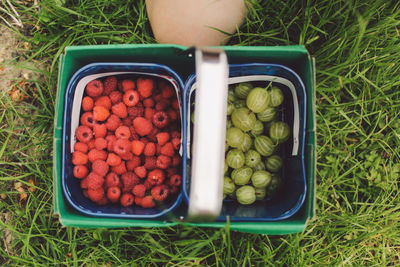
(243, 119)
(274, 163)
(261, 179)
(242, 90)
(235, 158)
(252, 158)
(246, 195)
(258, 99)
(241, 176)
(229, 186)
(246, 144)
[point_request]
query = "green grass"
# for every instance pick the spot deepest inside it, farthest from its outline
(357, 48)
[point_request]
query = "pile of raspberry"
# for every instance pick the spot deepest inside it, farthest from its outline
(128, 141)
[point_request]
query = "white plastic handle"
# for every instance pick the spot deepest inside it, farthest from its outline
(209, 133)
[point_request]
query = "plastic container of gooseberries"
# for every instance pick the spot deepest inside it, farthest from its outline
(291, 194)
(73, 97)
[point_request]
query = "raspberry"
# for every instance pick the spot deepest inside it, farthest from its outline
(172, 114)
(140, 171)
(162, 138)
(112, 179)
(84, 184)
(139, 190)
(160, 119)
(110, 84)
(149, 149)
(95, 154)
(168, 149)
(163, 162)
(94, 88)
(138, 200)
(113, 122)
(83, 133)
(174, 189)
(95, 194)
(145, 87)
(120, 110)
(123, 132)
(150, 163)
(127, 121)
(129, 180)
(103, 201)
(103, 101)
(79, 158)
(142, 126)
(100, 113)
(176, 161)
(82, 147)
(175, 180)
(137, 147)
(128, 85)
(100, 167)
(80, 171)
(100, 143)
(119, 169)
(156, 176)
(144, 140)
(152, 135)
(100, 130)
(171, 171)
(176, 143)
(94, 181)
(133, 163)
(122, 146)
(127, 199)
(158, 149)
(148, 103)
(87, 119)
(113, 194)
(148, 184)
(110, 142)
(157, 97)
(162, 105)
(147, 202)
(115, 97)
(136, 111)
(113, 160)
(149, 113)
(127, 156)
(175, 104)
(160, 192)
(167, 91)
(87, 103)
(130, 98)
(91, 145)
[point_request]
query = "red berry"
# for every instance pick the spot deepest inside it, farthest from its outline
(110, 84)
(176, 160)
(119, 169)
(167, 91)
(103, 101)
(87, 119)
(83, 133)
(122, 146)
(113, 122)
(176, 143)
(100, 167)
(150, 163)
(145, 87)
(120, 110)
(137, 147)
(172, 115)
(100, 130)
(168, 149)
(149, 113)
(112, 179)
(160, 119)
(160, 192)
(140, 171)
(163, 162)
(128, 85)
(96, 194)
(131, 98)
(175, 104)
(162, 105)
(148, 103)
(133, 163)
(175, 134)
(162, 138)
(84, 184)
(127, 199)
(149, 149)
(94, 88)
(135, 111)
(82, 147)
(142, 126)
(127, 121)
(139, 190)
(91, 145)
(156, 176)
(100, 113)
(175, 180)
(80, 171)
(100, 143)
(115, 97)
(147, 202)
(129, 180)
(79, 158)
(113, 160)
(113, 194)
(95, 154)
(122, 132)
(127, 156)
(94, 180)
(110, 142)
(103, 201)
(87, 103)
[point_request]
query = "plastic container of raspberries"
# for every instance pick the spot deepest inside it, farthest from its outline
(121, 153)
(289, 192)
